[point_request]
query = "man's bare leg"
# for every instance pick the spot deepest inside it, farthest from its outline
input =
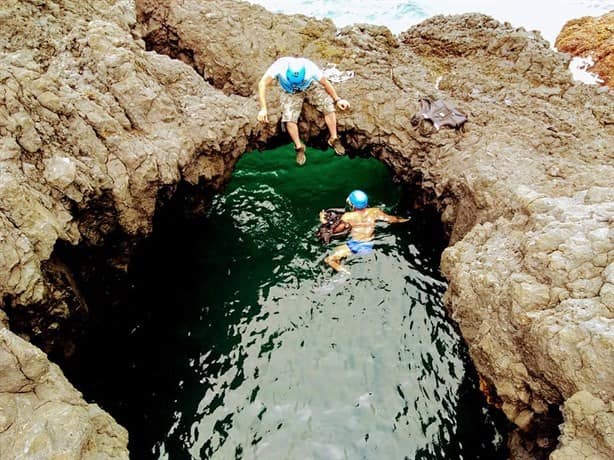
(292, 129)
(331, 123)
(334, 260)
(333, 141)
(298, 145)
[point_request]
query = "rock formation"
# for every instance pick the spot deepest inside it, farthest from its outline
(92, 129)
(591, 37)
(42, 416)
(95, 132)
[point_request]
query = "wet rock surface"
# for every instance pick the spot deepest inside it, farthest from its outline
(41, 414)
(95, 131)
(591, 37)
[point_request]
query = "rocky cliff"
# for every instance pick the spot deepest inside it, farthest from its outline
(93, 128)
(107, 107)
(591, 37)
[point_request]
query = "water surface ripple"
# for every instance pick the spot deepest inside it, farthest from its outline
(256, 350)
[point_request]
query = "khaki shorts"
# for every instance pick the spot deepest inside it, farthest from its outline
(292, 104)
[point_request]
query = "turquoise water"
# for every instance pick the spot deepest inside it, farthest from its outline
(238, 342)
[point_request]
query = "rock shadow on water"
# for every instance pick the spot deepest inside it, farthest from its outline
(238, 342)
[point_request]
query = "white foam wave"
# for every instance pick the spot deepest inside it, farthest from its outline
(578, 67)
(547, 16)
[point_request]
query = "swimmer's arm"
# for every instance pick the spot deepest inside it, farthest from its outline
(343, 219)
(391, 219)
(340, 226)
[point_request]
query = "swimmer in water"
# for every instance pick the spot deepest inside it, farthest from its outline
(363, 220)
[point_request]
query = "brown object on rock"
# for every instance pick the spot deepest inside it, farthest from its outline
(591, 37)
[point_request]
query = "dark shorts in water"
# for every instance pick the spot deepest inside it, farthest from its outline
(360, 247)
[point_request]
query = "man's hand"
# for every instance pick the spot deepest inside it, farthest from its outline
(343, 104)
(263, 116)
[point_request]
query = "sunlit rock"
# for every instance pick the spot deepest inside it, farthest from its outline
(591, 38)
(95, 130)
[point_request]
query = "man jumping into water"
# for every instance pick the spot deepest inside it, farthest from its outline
(363, 220)
(300, 79)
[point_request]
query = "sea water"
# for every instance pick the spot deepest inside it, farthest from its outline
(547, 16)
(237, 341)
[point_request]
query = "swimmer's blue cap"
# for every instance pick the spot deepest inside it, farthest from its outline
(358, 199)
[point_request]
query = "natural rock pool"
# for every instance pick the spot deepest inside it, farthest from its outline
(237, 341)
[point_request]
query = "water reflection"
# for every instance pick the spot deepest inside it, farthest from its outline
(248, 347)
(320, 366)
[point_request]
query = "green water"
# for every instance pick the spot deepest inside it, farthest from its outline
(238, 342)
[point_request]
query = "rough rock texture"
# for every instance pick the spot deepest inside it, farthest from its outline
(591, 37)
(43, 417)
(92, 128)
(588, 428)
(95, 131)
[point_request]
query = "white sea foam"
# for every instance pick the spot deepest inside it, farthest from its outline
(547, 16)
(578, 68)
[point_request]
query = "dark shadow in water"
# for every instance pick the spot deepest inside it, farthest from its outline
(235, 340)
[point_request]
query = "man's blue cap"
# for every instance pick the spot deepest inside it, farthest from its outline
(358, 199)
(296, 72)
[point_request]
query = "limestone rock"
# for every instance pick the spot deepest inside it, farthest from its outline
(42, 416)
(588, 429)
(92, 126)
(95, 128)
(548, 272)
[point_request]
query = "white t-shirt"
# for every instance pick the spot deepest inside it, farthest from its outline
(278, 69)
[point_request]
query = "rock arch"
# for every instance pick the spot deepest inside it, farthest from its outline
(95, 132)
